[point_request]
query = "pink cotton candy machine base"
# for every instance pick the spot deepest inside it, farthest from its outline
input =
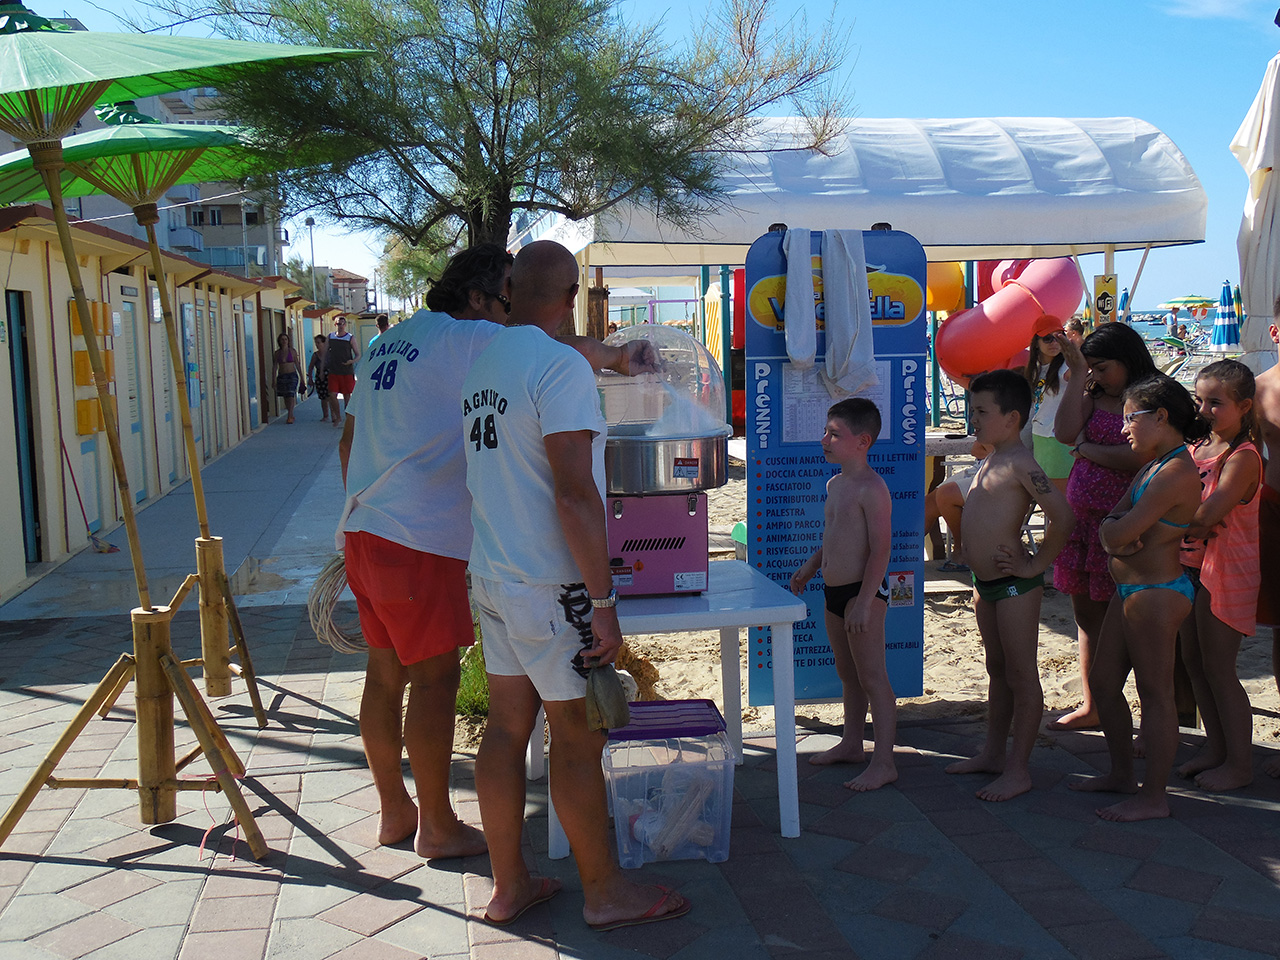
(658, 544)
(667, 442)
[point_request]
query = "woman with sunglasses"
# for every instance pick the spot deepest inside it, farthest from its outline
(1143, 536)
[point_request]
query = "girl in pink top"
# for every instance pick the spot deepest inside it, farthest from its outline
(1223, 536)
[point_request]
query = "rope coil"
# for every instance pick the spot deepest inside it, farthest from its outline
(321, 603)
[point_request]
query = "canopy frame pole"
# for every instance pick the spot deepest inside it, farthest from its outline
(726, 339)
(1137, 277)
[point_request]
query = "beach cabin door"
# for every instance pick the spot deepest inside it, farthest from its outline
(132, 435)
(23, 421)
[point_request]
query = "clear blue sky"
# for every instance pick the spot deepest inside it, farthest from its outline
(1190, 67)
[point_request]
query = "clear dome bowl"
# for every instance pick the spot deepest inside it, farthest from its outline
(685, 398)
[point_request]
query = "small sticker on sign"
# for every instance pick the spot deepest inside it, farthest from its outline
(697, 580)
(622, 577)
(902, 588)
(686, 468)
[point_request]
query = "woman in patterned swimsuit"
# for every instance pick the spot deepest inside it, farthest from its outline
(286, 373)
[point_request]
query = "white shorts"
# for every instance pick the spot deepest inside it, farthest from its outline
(537, 631)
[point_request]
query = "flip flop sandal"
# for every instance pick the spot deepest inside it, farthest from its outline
(542, 897)
(950, 566)
(649, 916)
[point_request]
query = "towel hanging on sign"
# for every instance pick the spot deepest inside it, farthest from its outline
(850, 356)
(800, 325)
(851, 362)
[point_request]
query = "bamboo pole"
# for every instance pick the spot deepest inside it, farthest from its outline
(47, 159)
(242, 649)
(157, 800)
(214, 645)
(186, 693)
(148, 219)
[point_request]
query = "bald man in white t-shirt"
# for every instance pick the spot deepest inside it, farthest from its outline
(542, 584)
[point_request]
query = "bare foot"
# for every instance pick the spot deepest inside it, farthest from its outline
(1225, 778)
(1135, 808)
(1108, 784)
(397, 823)
(463, 840)
(1205, 759)
(1272, 767)
(982, 763)
(843, 752)
(508, 909)
(1011, 784)
(633, 904)
(1078, 719)
(873, 778)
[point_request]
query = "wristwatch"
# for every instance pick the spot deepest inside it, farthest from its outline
(602, 603)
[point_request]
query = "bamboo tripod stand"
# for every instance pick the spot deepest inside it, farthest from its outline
(158, 675)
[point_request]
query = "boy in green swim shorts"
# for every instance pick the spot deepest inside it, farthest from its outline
(1008, 581)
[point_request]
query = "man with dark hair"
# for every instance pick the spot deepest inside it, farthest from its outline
(542, 584)
(406, 535)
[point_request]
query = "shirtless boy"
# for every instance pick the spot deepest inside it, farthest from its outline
(1008, 581)
(1266, 405)
(854, 558)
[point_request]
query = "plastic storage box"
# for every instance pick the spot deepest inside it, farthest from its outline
(670, 776)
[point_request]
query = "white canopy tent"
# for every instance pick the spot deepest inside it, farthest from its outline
(984, 188)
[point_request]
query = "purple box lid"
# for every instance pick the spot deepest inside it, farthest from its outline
(665, 719)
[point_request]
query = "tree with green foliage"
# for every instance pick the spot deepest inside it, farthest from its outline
(471, 112)
(304, 275)
(409, 271)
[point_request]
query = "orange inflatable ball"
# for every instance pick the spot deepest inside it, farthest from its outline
(946, 287)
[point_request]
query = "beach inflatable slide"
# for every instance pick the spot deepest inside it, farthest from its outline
(1031, 297)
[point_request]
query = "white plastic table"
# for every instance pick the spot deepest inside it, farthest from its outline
(737, 596)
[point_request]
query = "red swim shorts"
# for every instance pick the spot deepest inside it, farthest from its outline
(410, 601)
(341, 383)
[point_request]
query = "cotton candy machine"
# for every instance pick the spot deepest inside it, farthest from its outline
(667, 443)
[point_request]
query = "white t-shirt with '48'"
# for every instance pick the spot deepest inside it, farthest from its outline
(406, 477)
(524, 387)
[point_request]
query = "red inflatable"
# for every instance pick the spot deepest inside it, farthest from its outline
(1031, 297)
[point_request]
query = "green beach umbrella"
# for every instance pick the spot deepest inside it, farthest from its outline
(50, 76)
(136, 159)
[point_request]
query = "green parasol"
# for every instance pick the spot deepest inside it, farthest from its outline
(136, 159)
(49, 77)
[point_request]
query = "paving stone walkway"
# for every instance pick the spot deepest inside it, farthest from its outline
(921, 869)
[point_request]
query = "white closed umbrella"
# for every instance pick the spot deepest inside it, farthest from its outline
(1256, 146)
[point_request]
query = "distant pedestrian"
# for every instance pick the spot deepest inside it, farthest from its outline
(285, 373)
(317, 379)
(341, 367)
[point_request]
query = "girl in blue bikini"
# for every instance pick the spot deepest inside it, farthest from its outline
(1142, 536)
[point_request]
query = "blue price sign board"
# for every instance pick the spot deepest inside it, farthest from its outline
(787, 472)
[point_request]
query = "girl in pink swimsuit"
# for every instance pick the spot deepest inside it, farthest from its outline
(1090, 421)
(1229, 573)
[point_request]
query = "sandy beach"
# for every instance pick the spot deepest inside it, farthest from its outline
(688, 664)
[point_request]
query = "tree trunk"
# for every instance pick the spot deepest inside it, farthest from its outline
(597, 311)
